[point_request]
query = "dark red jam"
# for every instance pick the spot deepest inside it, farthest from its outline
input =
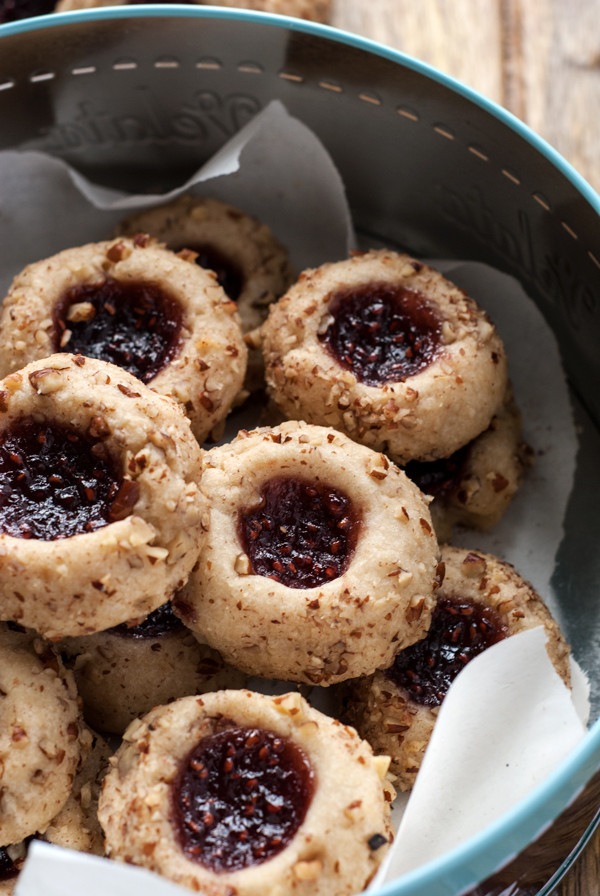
(8, 869)
(56, 482)
(228, 274)
(382, 332)
(240, 797)
(460, 630)
(134, 325)
(438, 478)
(302, 533)
(13, 10)
(157, 624)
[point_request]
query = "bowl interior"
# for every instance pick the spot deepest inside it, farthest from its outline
(136, 98)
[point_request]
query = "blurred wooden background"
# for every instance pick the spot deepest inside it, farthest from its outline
(540, 60)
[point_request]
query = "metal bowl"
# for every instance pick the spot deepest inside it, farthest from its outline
(142, 94)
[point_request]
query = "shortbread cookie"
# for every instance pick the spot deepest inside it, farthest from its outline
(475, 486)
(387, 350)
(314, 10)
(43, 740)
(75, 827)
(250, 264)
(100, 511)
(319, 561)
(238, 792)
(124, 672)
(140, 306)
(482, 600)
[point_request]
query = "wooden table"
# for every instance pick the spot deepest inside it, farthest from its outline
(540, 60)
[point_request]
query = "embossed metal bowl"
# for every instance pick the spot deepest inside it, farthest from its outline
(137, 93)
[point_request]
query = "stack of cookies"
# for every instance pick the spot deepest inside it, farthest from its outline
(149, 574)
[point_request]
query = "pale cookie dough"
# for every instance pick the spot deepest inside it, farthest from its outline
(429, 413)
(339, 843)
(204, 362)
(42, 737)
(75, 827)
(314, 10)
(354, 616)
(475, 486)
(130, 564)
(123, 672)
(387, 714)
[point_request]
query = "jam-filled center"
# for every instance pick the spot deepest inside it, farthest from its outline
(135, 325)
(56, 482)
(157, 624)
(382, 332)
(302, 533)
(460, 630)
(240, 797)
(8, 868)
(228, 273)
(438, 478)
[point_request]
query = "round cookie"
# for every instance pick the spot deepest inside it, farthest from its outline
(76, 826)
(240, 792)
(387, 350)
(42, 737)
(475, 486)
(313, 10)
(100, 512)
(252, 267)
(481, 600)
(123, 672)
(136, 304)
(319, 560)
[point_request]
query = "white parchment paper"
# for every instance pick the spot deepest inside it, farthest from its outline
(278, 171)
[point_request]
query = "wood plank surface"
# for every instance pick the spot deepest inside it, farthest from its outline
(540, 59)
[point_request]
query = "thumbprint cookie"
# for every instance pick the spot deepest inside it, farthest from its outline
(43, 740)
(319, 561)
(138, 305)
(249, 263)
(100, 512)
(238, 792)
(75, 827)
(474, 487)
(385, 349)
(251, 266)
(481, 601)
(125, 671)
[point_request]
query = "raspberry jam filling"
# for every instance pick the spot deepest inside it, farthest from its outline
(438, 478)
(13, 10)
(240, 797)
(228, 274)
(56, 482)
(160, 622)
(8, 869)
(302, 533)
(134, 325)
(382, 332)
(460, 629)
